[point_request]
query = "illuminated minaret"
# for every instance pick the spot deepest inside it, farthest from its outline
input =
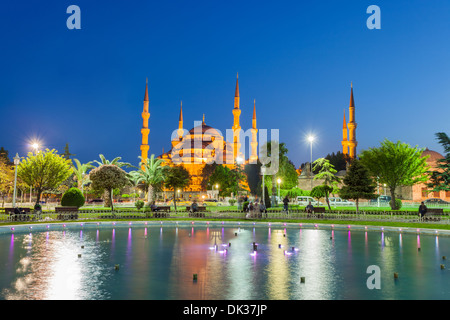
(344, 137)
(180, 122)
(145, 130)
(254, 142)
(352, 143)
(236, 125)
(180, 130)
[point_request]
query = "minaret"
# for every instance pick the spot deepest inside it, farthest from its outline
(236, 125)
(180, 122)
(254, 142)
(344, 137)
(145, 130)
(352, 143)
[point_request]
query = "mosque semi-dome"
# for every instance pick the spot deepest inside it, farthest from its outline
(433, 155)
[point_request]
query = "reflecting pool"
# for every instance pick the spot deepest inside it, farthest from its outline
(249, 263)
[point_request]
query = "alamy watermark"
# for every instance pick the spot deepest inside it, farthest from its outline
(210, 147)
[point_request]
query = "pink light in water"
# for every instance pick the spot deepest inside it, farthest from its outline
(253, 254)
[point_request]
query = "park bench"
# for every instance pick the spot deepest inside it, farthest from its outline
(161, 212)
(67, 213)
(24, 216)
(318, 212)
(199, 208)
(433, 214)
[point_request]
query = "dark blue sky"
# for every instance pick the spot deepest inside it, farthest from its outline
(296, 58)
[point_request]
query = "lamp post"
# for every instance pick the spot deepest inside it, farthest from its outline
(279, 181)
(263, 171)
(35, 146)
(16, 163)
(217, 188)
(311, 139)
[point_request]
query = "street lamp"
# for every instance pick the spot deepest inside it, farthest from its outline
(279, 181)
(217, 188)
(16, 163)
(263, 171)
(311, 139)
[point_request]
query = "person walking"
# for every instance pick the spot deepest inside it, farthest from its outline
(285, 204)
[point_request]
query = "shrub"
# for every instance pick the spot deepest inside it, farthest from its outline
(72, 198)
(232, 202)
(398, 204)
(139, 204)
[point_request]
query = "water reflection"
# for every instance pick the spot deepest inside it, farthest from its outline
(333, 263)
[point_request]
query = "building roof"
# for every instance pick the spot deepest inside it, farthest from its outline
(433, 155)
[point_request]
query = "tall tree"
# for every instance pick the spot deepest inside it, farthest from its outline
(327, 174)
(440, 178)
(395, 164)
(44, 170)
(254, 179)
(358, 183)
(177, 177)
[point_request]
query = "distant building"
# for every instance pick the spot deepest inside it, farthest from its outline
(419, 192)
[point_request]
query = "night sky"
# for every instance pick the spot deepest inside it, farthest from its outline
(295, 58)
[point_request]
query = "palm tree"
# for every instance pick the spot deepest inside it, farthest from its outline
(80, 171)
(116, 161)
(152, 173)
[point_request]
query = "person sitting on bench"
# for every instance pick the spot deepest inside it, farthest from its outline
(17, 210)
(194, 206)
(153, 207)
(422, 210)
(309, 208)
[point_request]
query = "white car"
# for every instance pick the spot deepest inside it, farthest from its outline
(304, 201)
(336, 201)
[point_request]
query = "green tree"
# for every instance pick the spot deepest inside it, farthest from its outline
(440, 178)
(80, 172)
(177, 177)
(152, 173)
(222, 176)
(395, 164)
(106, 178)
(327, 174)
(6, 178)
(45, 170)
(338, 160)
(321, 191)
(358, 184)
(286, 170)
